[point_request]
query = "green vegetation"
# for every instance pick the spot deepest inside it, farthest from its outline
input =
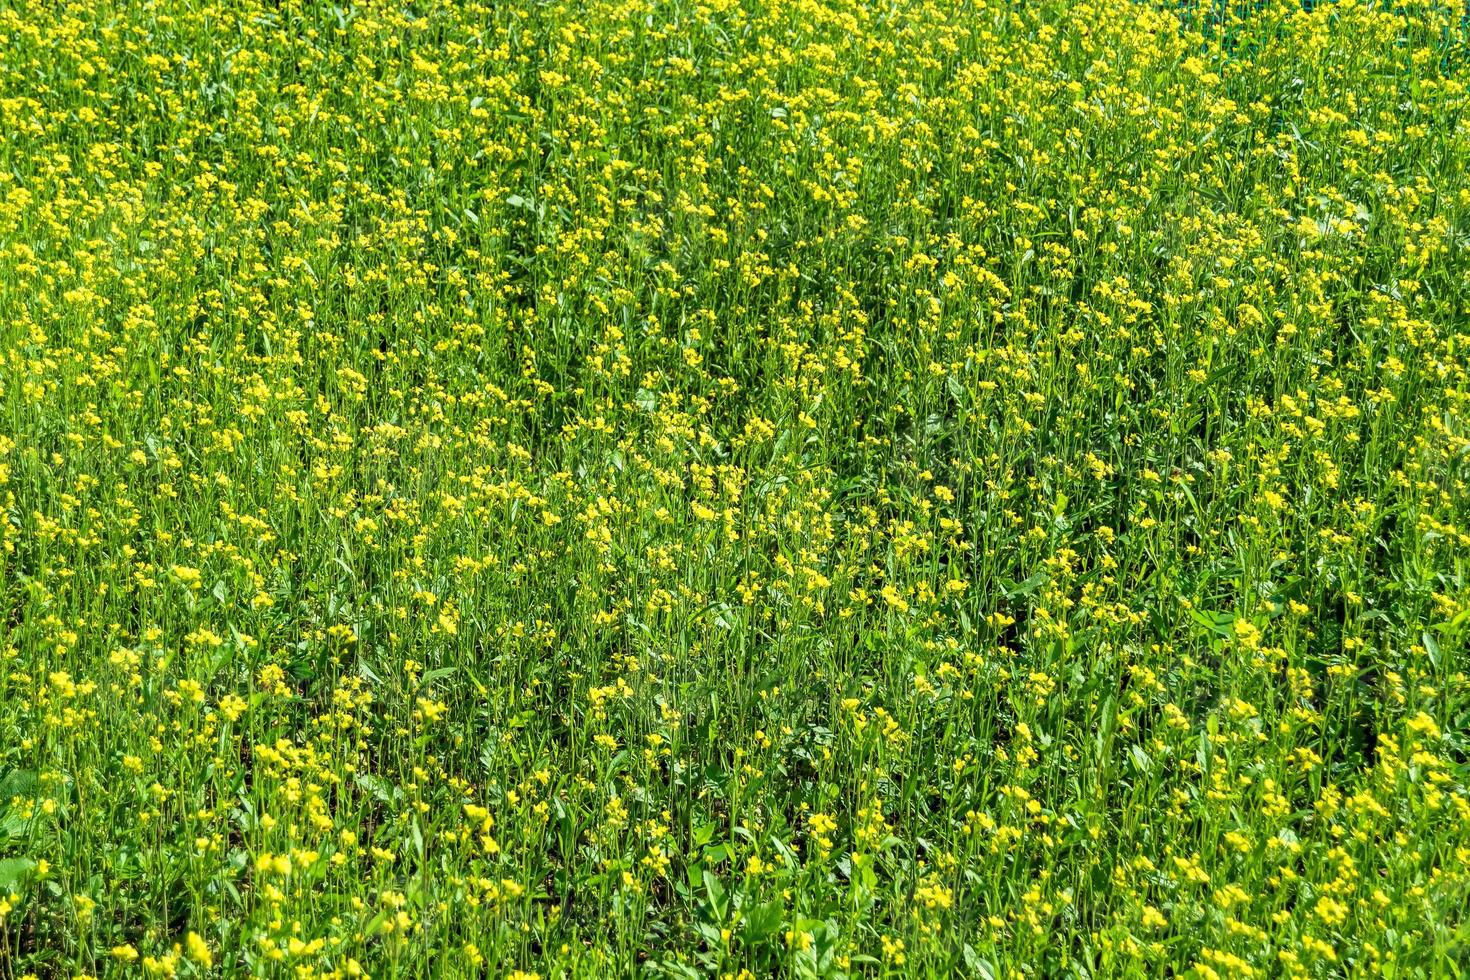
(694, 488)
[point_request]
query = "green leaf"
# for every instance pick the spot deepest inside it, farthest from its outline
(437, 674)
(977, 965)
(381, 790)
(1219, 623)
(14, 872)
(764, 920)
(718, 900)
(1021, 589)
(17, 782)
(1431, 647)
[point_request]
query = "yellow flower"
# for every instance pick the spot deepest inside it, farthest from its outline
(199, 950)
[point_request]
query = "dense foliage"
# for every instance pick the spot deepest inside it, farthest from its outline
(733, 487)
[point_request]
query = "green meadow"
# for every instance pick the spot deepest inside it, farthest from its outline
(734, 488)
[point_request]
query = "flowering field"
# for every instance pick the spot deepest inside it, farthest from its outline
(734, 488)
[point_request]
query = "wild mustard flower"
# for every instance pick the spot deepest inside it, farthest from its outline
(739, 489)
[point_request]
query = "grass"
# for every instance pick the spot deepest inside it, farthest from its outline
(715, 488)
